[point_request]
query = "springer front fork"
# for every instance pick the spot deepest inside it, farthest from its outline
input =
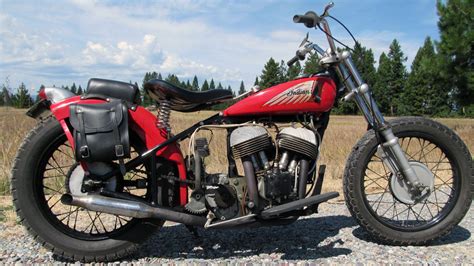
(392, 153)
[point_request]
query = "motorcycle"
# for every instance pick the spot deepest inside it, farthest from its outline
(100, 173)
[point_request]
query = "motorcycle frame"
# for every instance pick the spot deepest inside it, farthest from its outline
(160, 144)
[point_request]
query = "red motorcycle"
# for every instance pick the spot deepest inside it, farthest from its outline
(100, 173)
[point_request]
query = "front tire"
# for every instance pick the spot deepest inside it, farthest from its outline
(369, 196)
(34, 187)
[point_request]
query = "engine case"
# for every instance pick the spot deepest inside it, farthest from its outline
(278, 185)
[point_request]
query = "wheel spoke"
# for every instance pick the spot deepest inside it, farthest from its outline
(374, 181)
(376, 184)
(68, 155)
(55, 168)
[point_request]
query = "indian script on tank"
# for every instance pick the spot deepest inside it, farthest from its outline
(299, 93)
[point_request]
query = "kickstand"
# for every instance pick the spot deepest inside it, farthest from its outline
(193, 230)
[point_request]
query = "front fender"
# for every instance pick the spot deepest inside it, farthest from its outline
(143, 123)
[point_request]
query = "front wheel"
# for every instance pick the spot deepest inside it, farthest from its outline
(373, 202)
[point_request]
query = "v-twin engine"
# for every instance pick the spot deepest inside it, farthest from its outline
(279, 169)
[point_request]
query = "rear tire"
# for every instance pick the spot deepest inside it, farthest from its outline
(48, 229)
(389, 226)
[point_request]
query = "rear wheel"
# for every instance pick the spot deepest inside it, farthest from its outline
(43, 170)
(374, 198)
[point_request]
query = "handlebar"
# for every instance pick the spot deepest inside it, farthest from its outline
(292, 61)
(310, 19)
(300, 55)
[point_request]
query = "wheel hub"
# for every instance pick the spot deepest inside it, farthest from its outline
(75, 178)
(405, 193)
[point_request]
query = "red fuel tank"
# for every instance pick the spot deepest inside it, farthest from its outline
(305, 95)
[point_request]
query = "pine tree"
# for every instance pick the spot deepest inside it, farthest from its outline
(22, 98)
(147, 100)
(257, 82)
(229, 88)
(173, 79)
(294, 71)
(80, 91)
(205, 86)
(74, 88)
(195, 85)
(398, 74)
(282, 72)
(391, 79)
(382, 79)
(311, 65)
(270, 74)
(5, 96)
(189, 86)
(242, 88)
(425, 93)
(1, 97)
(364, 61)
(219, 86)
(212, 85)
(456, 48)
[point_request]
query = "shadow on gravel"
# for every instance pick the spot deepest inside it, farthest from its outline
(304, 239)
(458, 234)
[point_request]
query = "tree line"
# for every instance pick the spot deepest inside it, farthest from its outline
(22, 97)
(440, 81)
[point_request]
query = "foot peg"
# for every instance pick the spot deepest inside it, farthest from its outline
(298, 204)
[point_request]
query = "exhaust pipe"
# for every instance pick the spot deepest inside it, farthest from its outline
(131, 208)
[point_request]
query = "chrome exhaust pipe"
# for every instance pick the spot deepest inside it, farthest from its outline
(130, 208)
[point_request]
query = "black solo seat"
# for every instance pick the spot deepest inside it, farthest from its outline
(184, 100)
(113, 89)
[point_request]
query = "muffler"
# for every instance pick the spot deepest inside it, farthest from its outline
(130, 208)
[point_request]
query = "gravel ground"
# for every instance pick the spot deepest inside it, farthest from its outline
(331, 237)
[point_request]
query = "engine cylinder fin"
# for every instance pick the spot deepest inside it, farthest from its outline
(251, 146)
(296, 144)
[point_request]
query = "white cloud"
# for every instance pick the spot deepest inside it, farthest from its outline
(123, 54)
(122, 40)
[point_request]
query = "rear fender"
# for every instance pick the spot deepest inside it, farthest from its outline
(143, 123)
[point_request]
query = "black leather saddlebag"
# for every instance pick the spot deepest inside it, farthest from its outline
(100, 131)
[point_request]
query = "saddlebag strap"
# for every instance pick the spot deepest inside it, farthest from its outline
(84, 150)
(119, 150)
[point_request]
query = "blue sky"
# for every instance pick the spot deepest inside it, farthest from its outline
(61, 42)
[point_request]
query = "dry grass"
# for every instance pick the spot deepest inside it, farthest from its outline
(14, 125)
(342, 134)
(7, 213)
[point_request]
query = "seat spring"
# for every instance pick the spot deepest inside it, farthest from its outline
(163, 116)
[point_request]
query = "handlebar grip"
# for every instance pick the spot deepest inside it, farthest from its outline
(292, 61)
(299, 56)
(310, 19)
